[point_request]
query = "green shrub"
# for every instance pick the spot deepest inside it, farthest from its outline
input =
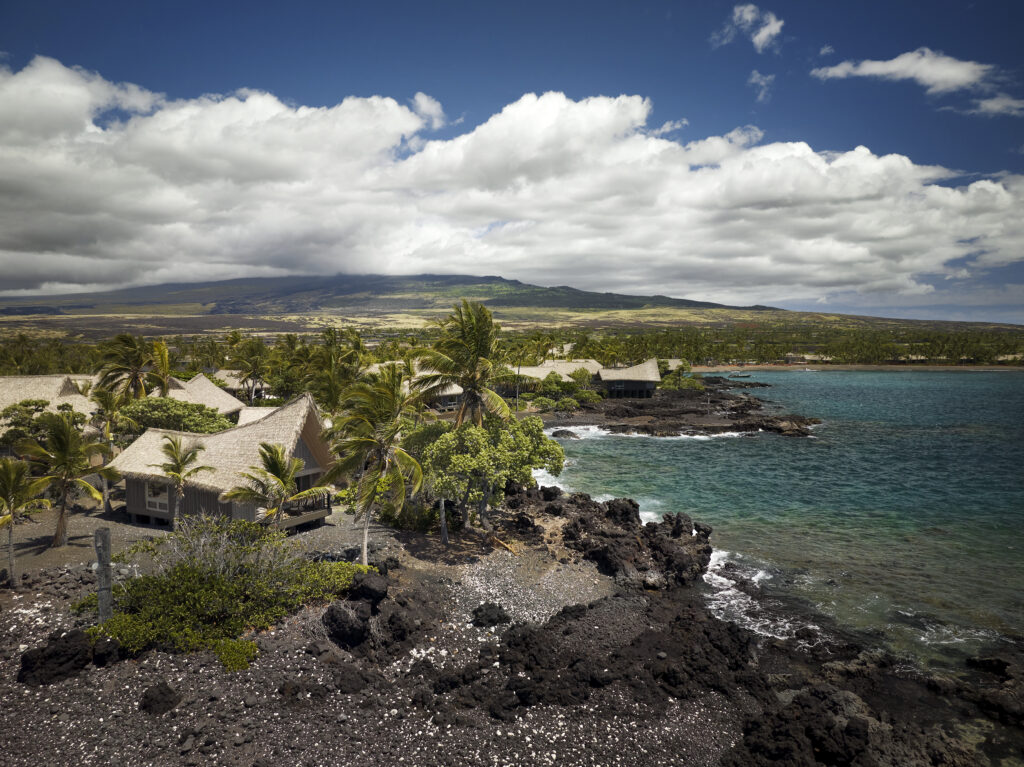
(679, 379)
(213, 582)
(235, 654)
(567, 405)
(587, 396)
(544, 404)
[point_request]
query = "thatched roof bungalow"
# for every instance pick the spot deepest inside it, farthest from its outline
(636, 381)
(55, 389)
(296, 426)
(202, 391)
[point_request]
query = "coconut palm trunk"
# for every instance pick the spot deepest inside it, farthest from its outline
(60, 533)
(444, 524)
(11, 575)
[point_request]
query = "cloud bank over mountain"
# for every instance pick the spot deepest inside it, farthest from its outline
(107, 184)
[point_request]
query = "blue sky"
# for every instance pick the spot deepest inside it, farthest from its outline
(153, 142)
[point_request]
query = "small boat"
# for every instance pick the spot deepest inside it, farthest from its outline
(738, 374)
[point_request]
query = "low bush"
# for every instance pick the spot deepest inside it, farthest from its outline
(544, 404)
(567, 405)
(584, 396)
(213, 582)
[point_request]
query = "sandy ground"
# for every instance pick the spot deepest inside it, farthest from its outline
(33, 551)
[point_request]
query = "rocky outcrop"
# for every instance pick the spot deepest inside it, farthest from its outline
(670, 553)
(715, 410)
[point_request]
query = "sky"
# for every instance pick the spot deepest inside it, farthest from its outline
(864, 158)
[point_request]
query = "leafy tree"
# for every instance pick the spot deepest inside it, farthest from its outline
(273, 484)
(471, 465)
(19, 497)
(167, 413)
(367, 441)
(22, 421)
(180, 465)
(125, 365)
(680, 378)
(65, 456)
(467, 355)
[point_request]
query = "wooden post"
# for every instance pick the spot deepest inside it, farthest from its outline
(103, 574)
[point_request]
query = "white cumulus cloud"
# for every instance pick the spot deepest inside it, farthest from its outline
(999, 105)
(548, 190)
(932, 70)
(762, 27)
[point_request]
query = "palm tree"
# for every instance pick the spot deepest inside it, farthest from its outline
(180, 466)
(249, 358)
(110, 420)
(515, 354)
(273, 484)
(19, 497)
(466, 355)
(367, 442)
(332, 370)
(159, 376)
(66, 458)
(125, 365)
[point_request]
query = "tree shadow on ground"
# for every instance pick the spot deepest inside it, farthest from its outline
(463, 548)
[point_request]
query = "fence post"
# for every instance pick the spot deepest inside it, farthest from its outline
(103, 573)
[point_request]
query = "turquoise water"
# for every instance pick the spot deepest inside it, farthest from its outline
(903, 516)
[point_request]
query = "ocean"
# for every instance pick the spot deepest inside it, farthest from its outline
(902, 518)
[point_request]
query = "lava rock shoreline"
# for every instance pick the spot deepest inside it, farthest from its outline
(594, 645)
(716, 410)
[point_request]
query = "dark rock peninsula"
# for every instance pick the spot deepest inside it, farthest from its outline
(716, 410)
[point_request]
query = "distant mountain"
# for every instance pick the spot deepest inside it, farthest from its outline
(362, 294)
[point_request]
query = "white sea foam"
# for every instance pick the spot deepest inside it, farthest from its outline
(599, 432)
(727, 602)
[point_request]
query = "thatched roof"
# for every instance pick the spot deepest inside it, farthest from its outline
(452, 390)
(564, 368)
(571, 366)
(231, 378)
(202, 391)
(645, 371)
(538, 372)
(56, 389)
(232, 451)
(250, 414)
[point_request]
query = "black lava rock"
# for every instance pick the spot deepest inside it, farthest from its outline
(159, 698)
(490, 614)
(345, 626)
(62, 657)
(369, 587)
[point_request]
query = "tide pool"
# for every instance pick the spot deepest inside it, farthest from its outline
(902, 516)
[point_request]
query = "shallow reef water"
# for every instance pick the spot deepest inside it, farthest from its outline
(903, 515)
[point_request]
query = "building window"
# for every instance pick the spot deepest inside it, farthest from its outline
(156, 497)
